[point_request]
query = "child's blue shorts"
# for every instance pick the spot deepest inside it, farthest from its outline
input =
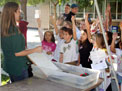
(119, 79)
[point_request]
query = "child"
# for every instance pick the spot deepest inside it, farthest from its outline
(85, 46)
(48, 44)
(68, 48)
(98, 55)
(118, 52)
(68, 51)
(59, 37)
(48, 41)
(60, 40)
(82, 24)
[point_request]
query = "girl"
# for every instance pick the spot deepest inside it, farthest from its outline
(85, 46)
(98, 56)
(48, 40)
(48, 44)
(13, 44)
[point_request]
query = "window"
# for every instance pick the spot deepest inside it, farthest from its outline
(119, 10)
(116, 9)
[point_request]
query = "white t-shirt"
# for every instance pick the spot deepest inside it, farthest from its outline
(97, 54)
(119, 61)
(58, 46)
(69, 51)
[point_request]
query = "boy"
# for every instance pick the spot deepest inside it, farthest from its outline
(68, 48)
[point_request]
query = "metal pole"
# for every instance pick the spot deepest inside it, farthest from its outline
(0, 53)
(0, 68)
(113, 74)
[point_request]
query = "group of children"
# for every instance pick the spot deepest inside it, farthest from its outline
(83, 45)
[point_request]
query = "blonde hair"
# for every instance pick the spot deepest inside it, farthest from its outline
(8, 17)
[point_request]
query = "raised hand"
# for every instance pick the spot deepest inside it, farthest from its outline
(108, 7)
(86, 16)
(73, 18)
(120, 25)
(39, 22)
(115, 36)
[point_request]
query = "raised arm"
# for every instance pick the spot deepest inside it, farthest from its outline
(54, 24)
(29, 51)
(39, 29)
(113, 43)
(74, 28)
(88, 27)
(108, 18)
(109, 10)
(121, 29)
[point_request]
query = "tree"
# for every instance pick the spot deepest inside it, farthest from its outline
(24, 7)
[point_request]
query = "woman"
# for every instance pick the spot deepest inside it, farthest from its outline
(13, 44)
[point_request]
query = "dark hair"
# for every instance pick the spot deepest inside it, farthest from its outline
(109, 34)
(85, 31)
(67, 5)
(52, 38)
(85, 43)
(68, 30)
(63, 28)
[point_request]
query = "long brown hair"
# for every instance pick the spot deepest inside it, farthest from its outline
(8, 17)
(52, 36)
(100, 41)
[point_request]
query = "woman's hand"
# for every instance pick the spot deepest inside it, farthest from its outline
(38, 49)
(29, 51)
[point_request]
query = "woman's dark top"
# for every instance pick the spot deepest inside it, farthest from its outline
(10, 45)
(84, 54)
